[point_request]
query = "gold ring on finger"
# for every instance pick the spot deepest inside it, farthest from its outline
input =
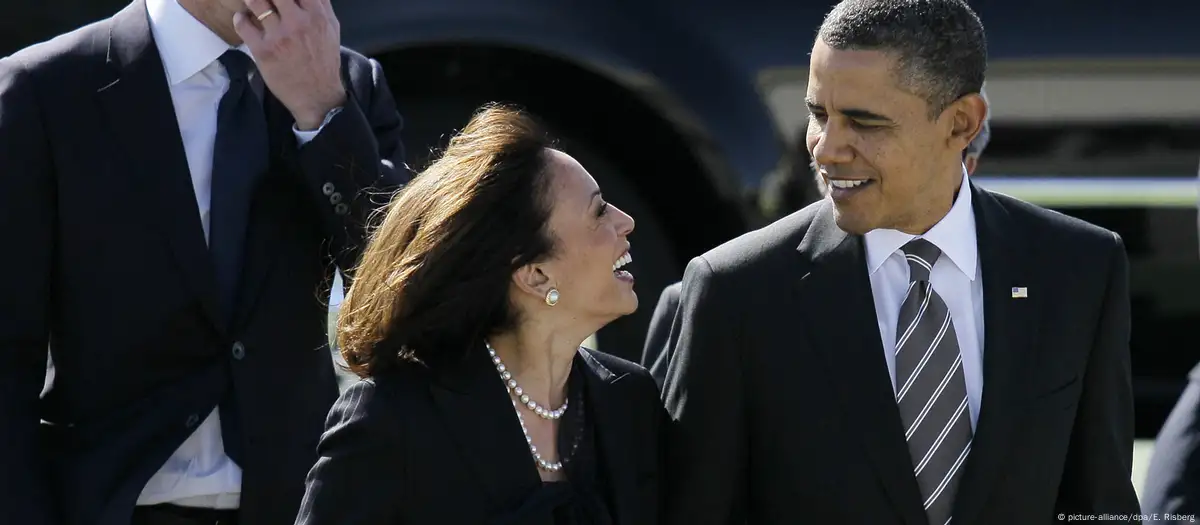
(265, 14)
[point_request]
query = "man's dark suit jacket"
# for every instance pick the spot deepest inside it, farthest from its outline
(1173, 479)
(421, 446)
(657, 355)
(783, 411)
(107, 265)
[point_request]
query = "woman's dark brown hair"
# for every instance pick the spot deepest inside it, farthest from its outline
(435, 276)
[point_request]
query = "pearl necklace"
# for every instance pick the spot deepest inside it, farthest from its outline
(517, 392)
(552, 466)
(511, 384)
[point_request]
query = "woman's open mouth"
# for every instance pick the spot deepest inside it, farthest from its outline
(622, 274)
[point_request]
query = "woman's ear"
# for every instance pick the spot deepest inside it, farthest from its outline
(532, 279)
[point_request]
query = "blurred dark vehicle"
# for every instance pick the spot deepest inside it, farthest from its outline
(689, 114)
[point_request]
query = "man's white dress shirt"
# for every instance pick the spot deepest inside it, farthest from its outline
(198, 474)
(956, 277)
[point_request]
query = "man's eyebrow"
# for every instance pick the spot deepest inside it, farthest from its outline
(862, 114)
(855, 113)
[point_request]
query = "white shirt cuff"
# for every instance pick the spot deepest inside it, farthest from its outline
(304, 137)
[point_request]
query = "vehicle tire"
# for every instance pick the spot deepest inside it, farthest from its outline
(429, 123)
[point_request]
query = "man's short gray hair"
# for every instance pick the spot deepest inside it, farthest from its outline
(939, 45)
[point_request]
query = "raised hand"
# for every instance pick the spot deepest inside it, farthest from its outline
(297, 47)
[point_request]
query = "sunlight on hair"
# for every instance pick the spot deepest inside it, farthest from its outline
(433, 278)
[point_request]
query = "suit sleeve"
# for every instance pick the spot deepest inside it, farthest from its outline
(705, 450)
(27, 210)
(1096, 477)
(355, 163)
(1173, 479)
(655, 354)
(358, 478)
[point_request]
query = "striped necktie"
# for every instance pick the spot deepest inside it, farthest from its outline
(930, 387)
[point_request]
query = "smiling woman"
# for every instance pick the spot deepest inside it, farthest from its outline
(472, 248)
(466, 316)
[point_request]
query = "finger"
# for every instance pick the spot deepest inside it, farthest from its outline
(316, 6)
(247, 28)
(264, 13)
(287, 7)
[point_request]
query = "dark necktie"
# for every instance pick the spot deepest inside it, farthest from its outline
(239, 159)
(930, 387)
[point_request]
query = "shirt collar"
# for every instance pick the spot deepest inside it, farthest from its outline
(185, 44)
(954, 235)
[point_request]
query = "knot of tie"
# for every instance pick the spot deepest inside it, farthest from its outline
(237, 65)
(921, 254)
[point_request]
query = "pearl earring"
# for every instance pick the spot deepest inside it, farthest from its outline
(552, 297)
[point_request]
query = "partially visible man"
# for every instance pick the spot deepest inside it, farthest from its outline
(180, 182)
(1172, 485)
(656, 354)
(912, 349)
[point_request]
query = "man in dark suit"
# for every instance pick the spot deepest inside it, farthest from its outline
(912, 349)
(656, 354)
(1173, 480)
(1172, 486)
(180, 182)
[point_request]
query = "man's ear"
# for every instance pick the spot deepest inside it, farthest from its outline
(967, 116)
(532, 279)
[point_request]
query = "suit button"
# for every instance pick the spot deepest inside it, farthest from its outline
(335, 198)
(328, 188)
(238, 351)
(192, 421)
(341, 209)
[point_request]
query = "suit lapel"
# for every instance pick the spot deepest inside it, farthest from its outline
(835, 295)
(614, 440)
(479, 416)
(137, 103)
(1010, 328)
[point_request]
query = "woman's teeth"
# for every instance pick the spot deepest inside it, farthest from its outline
(625, 259)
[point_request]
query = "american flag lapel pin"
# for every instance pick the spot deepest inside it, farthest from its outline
(1020, 292)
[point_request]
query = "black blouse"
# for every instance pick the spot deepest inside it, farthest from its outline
(584, 497)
